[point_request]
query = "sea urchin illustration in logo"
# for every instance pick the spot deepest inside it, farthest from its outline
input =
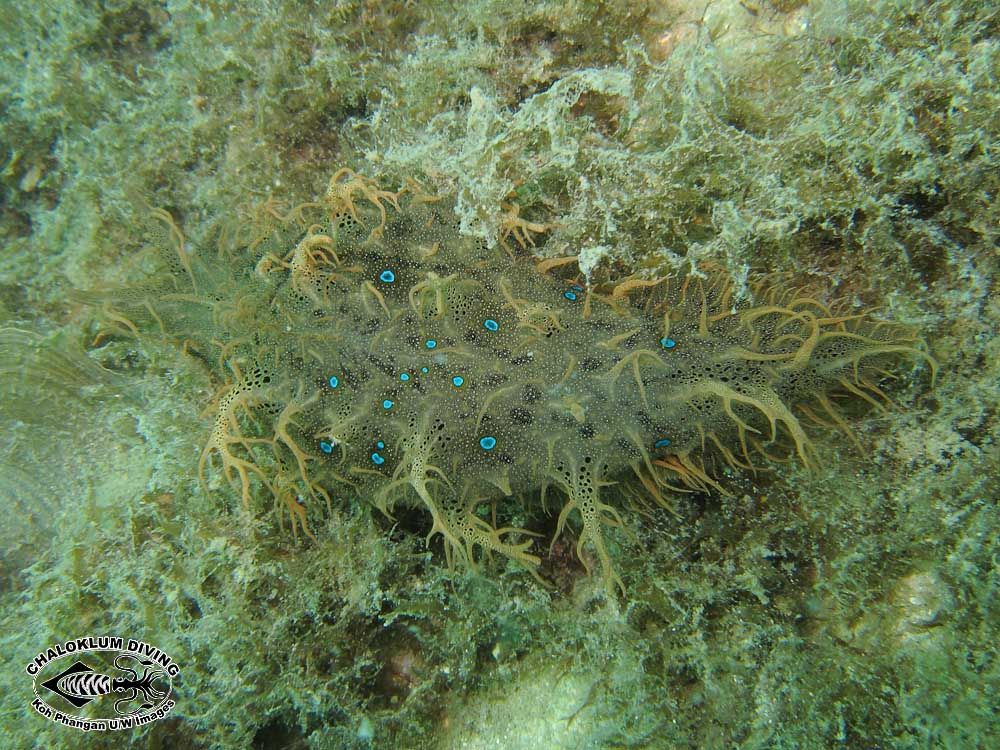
(113, 683)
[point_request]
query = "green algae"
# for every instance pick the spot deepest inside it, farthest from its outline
(857, 149)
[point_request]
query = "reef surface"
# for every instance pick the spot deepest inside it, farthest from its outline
(801, 196)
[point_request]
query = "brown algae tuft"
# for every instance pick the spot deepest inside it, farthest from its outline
(365, 348)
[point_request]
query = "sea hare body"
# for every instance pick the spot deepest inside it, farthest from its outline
(370, 350)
